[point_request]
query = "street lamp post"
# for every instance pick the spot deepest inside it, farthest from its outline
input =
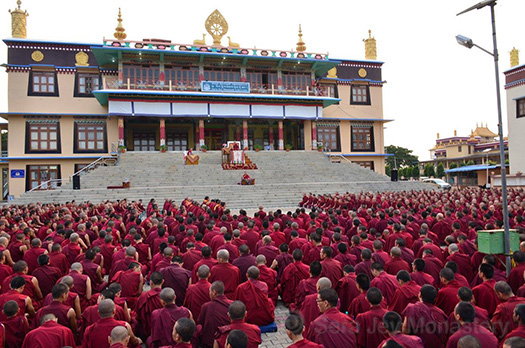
(464, 41)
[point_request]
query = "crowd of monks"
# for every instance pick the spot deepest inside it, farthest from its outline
(393, 269)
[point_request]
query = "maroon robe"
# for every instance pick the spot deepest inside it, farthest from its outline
(371, 330)
(58, 309)
(333, 329)
(29, 288)
(13, 295)
(197, 295)
(292, 275)
(244, 262)
(260, 309)
(15, 330)
(146, 303)
(47, 277)
(395, 265)
(305, 287)
(208, 261)
(485, 337)
(517, 332)
(270, 252)
(96, 335)
(516, 277)
(481, 318)
(177, 278)
(433, 266)
(347, 290)
(31, 257)
(162, 321)
(213, 315)
(364, 267)
(464, 265)
(447, 297)
(502, 320)
(304, 343)
(59, 261)
(190, 258)
(309, 310)
(252, 331)
(422, 278)
(50, 334)
(269, 276)
(90, 315)
(485, 296)
(387, 283)
(229, 275)
(332, 269)
(404, 296)
(405, 341)
(427, 322)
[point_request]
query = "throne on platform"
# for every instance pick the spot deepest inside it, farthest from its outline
(227, 150)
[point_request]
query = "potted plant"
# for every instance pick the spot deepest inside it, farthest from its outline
(163, 148)
(257, 147)
(288, 147)
(320, 147)
(122, 148)
(204, 148)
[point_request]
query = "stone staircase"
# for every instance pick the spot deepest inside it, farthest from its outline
(281, 179)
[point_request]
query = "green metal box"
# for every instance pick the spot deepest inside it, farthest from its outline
(493, 241)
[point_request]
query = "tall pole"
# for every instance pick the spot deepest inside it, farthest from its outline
(501, 146)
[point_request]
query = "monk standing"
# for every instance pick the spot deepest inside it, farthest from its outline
(237, 312)
(198, 293)
(226, 273)
(214, 314)
(295, 329)
(49, 334)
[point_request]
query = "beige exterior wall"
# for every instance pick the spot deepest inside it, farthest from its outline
(516, 131)
(453, 151)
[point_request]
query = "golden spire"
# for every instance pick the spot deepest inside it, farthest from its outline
(370, 47)
(514, 57)
(18, 22)
(120, 31)
(300, 45)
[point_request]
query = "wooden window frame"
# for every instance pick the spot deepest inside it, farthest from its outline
(77, 140)
(29, 149)
(356, 87)
(357, 131)
(39, 73)
(88, 93)
(520, 108)
(28, 175)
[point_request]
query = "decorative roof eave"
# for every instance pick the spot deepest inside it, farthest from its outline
(350, 81)
(371, 64)
(515, 84)
(49, 45)
(357, 119)
(58, 69)
(514, 70)
(103, 96)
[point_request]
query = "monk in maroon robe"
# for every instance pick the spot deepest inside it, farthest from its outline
(433, 266)
(16, 293)
(31, 288)
(213, 315)
(269, 277)
(269, 250)
(396, 263)
(332, 269)
(310, 310)
(57, 259)
(462, 260)
(31, 255)
(148, 302)
(465, 314)
(307, 286)
(90, 315)
(332, 329)
(49, 334)
(481, 318)
(385, 282)
(447, 295)
(16, 327)
(254, 294)
(244, 261)
(292, 275)
(484, 293)
(425, 320)
(237, 312)
(96, 335)
(295, 329)
(515, 278)
(393, 323)
(371, 331)
(419, 275)
(132, 283)
(198, 293)
(206, 260)
(502, 319)
(191, 257)
(177, 278)
(65, 315)
(407, 293)
(346, 287)
(47, 275)
(226, 273)
(519, 331)
(163, 319)
(82, 284)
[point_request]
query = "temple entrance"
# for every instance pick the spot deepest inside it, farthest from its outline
(144, 141)
(177, 140)
(213, 138)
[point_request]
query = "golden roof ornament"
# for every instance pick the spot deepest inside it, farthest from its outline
(514, 57)
(300, 45)
(18, 22)
(120, 31)
(216, 26)
(370, 47)
(332, 73)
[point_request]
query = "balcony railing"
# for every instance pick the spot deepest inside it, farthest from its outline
(156, 85)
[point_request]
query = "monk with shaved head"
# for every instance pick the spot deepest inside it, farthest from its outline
(198, 293)
(214, 314)
(49, 334)
(226, 273)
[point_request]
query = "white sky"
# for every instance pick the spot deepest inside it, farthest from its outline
(434, 84)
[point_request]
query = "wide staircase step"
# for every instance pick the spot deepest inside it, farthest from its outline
(281, 177)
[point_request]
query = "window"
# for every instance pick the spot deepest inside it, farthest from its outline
(87, 83)
(177, 140)
(520, 112)
(460, 149)
(328, 136)
(365, 164)
(43, 83)
(362, 137)
(43, 137)
(38, 175)
(360, 95)
(90, 137)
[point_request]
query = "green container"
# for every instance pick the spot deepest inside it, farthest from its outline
(493, 241)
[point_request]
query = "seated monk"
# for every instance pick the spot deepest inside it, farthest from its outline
(182, 333)
(295, 329)
(254, 294)
(16, 326)
(16, 293)
(198, 293)
(131, 281)
(147, 302)
(247, 180)
(213, 314)
(237, 312)
(310, 309)
(50, 334)
(119, 337)
(65, 315)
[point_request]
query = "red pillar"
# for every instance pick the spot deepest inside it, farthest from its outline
(281, 137)
(245, 134)
(162, 132)
(121, 131)
(201, 132)
(314, 135)
(238, 133)
(270, 137)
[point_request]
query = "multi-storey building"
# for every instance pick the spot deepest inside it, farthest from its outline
(71, 103)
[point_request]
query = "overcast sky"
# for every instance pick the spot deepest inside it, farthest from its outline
(433, 84)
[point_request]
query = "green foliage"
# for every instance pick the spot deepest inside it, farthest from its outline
(507, 161)
(462, 164)
(415, 171)
(388, 170)
(452, 165)
(492, 163)
(440, 170)
(429, 170)
(470, 163)
(403, 157)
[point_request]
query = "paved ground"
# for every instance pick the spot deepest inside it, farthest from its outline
(277, 339)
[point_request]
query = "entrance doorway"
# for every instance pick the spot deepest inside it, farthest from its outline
(177, 140)
(213, 139)
(38, 175)
(144, 141)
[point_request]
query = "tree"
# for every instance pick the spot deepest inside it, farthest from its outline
(388, 170)
(440, 170)
(403, 157)
(429, 170)
(415, 171)
(452, 165)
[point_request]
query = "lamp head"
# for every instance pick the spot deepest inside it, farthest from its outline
(464, 41)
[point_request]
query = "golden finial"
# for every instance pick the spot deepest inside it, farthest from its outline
(514, 57)
(300, 45)
(370, 47)
(216, 26)
(438, 136)
(120, 31)
(18, 22)
(455, 133)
